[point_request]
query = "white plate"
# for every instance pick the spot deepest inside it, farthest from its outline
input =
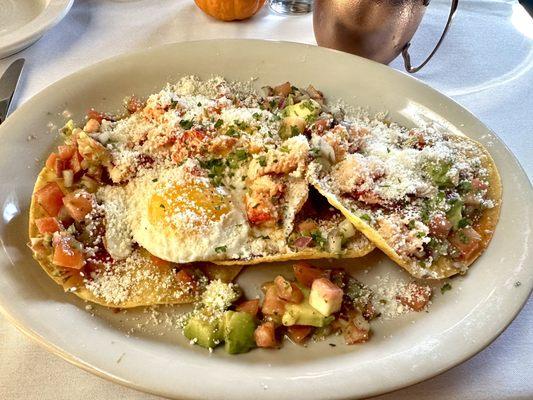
(402, 352)
(25, 21)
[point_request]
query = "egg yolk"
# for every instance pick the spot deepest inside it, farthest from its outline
(185, 205)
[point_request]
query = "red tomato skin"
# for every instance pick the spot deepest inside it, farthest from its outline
(265, 335)
(249, 306)
(305, 273)
(47, 225)
(50, 198)
(78, 206)
(299, 333)
(66, 255)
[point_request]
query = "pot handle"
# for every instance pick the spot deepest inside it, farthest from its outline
(405, 51)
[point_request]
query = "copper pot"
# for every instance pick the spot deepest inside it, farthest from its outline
(375, 29)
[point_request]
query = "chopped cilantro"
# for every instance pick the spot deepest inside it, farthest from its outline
(216, 169)
(199, 104)
(464, 187)
(154, 180)
(319, 240)
(262, 161)
(463, 223)
(411, 224)
(240, 124)
(219, 123)
(284, 149)
(220, 249)
(294, 130)
(444, 288)
(366, 217)
(186, 124)
(315, 151)
(256, 116)
(463, 238)
(232, 132)
(241, 154)
(420, 234)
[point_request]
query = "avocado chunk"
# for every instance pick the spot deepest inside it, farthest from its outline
(438, 172)
(239, 330)
(455, 214)
(304, 313)
(307, 109)
(207, 334)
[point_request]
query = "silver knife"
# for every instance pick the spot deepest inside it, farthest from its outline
(8, 85)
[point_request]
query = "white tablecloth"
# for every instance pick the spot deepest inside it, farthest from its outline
(485, 64)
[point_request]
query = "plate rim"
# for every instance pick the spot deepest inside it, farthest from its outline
(71, 358)
(52, 13)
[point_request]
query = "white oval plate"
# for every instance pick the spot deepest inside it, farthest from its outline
(25, 21)
(157, 359)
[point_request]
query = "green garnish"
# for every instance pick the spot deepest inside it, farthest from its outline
(154, 180)
(219, 123)
(464, 187)
(319, 240)
(444, 288)
(314, 151)
(241, 154)
(220, 249)
(232, 132)
(284, 149)
(186, 124)
(262, 161)
(366, 217)
(463, 223)
(420, 235)
(294, 130)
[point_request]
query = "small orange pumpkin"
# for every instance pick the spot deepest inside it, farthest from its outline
(230, 10)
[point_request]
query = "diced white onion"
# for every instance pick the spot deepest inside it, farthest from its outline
(68, 178)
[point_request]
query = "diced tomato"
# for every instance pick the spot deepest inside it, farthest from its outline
(67, 253)
(477, 184)
(299, 333)
(467, 241)
(183, 276)
(159, 261)
(51, 161)
(272, 304)
(307, 226)
(47, 225)
(99, 116)
(305, 273)
(440, 226)
(50, 198)
(66, 152)
(249, 306)
(415, 296)
(78, 204)
(265, 335)
(288, 291)
(258, 216)
(60, 166)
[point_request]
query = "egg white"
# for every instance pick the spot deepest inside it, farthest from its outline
(194, 231)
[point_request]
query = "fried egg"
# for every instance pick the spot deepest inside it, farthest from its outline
(180, 217)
